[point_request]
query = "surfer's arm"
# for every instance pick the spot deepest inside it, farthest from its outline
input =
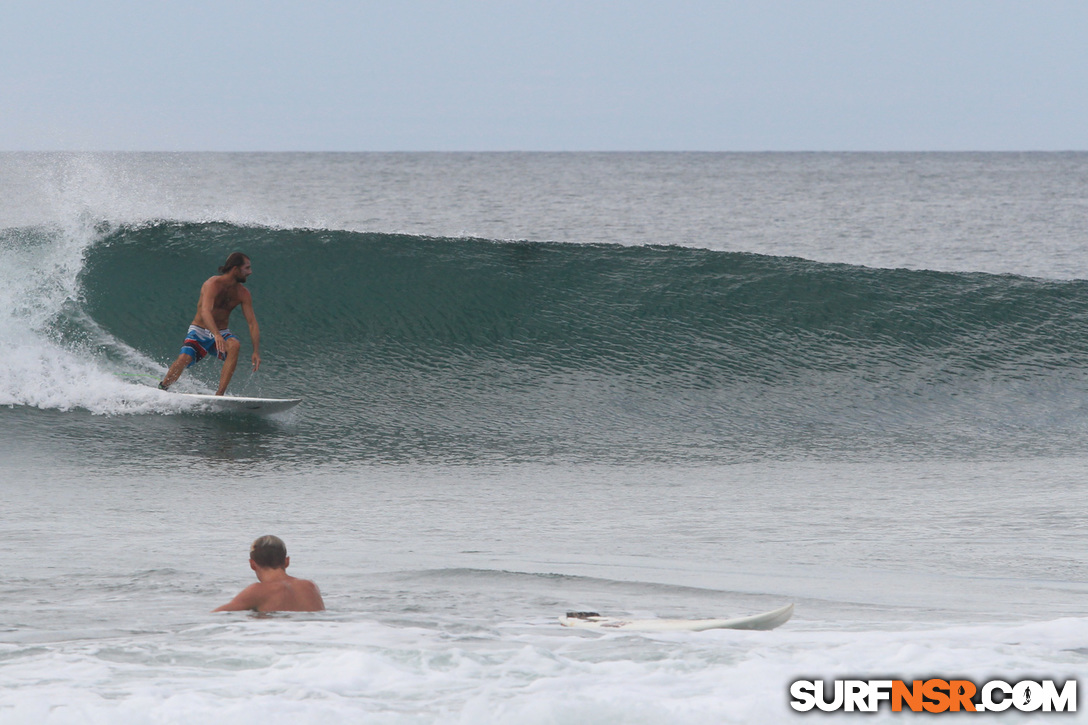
(254, 330)
(248, 598)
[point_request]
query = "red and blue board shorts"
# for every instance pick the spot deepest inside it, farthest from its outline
(199, 342)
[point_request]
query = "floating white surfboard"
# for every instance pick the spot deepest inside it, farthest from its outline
(592, 620)
(240, 404)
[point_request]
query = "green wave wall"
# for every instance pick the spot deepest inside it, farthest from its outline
(664, 345)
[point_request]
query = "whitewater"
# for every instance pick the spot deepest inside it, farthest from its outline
(649, 385)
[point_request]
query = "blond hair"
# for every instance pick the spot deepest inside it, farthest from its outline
(269, 552)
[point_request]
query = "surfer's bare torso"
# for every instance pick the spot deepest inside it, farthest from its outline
(218, 298)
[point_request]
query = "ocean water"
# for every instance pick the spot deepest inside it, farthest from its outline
(656, 385)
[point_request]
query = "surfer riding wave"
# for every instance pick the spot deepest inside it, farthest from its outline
(209, 330)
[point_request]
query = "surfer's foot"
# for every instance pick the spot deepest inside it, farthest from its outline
(163, 386)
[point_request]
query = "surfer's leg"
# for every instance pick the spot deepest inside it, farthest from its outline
(233, 348)
(176, 370)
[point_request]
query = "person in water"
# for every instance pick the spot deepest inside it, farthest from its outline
(275, 590)
(209, 331)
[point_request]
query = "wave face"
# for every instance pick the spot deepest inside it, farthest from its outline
(406, 346)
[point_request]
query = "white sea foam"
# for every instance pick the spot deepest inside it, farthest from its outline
(68, 202)
(283, 670)
(39, 284)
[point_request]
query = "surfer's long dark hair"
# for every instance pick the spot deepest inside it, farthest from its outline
(236, 259)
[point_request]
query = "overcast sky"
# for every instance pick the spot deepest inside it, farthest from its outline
(413, 75)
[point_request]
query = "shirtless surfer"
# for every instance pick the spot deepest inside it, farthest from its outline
(209, 331)
(275, 590)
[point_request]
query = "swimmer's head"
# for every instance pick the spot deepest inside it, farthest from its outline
(269, 552)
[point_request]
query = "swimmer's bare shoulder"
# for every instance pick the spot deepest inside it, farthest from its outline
(249, 598)
(285, 595)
